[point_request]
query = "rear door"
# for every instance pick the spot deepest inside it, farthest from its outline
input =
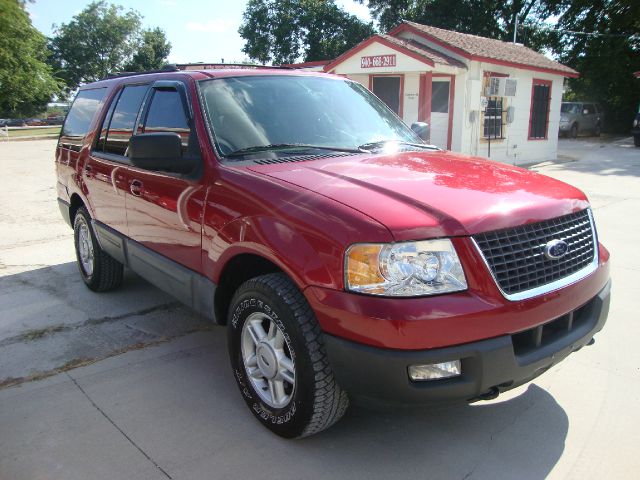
(105, 171)
(164, 210)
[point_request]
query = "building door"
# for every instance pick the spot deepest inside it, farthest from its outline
(440, 92)
(388, 89)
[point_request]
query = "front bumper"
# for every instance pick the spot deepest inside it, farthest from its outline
(380, 375)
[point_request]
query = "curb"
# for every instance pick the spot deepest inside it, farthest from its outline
(36, 137)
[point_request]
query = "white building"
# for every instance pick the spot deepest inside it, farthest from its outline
(480, 96)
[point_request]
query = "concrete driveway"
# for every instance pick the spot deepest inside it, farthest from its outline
(155, 397)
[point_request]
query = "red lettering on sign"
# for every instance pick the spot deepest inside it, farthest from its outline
(378, 61)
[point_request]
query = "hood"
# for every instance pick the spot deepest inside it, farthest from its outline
(433, 194)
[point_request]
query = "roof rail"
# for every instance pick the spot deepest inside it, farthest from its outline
(215, 66)
(167, 68)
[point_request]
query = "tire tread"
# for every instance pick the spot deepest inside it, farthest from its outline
(330, 400)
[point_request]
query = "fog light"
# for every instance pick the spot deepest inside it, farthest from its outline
(435, 371)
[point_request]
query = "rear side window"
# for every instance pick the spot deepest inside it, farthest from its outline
(78, 121)
(167, 114)
(123, 120)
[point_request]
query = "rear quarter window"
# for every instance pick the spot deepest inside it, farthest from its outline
(78, 121)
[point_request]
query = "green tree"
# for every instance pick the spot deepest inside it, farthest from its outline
(104, 39)
(287, 30)
(152, 53)
(26, 81)
(606, 59)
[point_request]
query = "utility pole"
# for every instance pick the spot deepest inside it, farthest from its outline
(515, 30)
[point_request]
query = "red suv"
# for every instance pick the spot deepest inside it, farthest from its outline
(348, 258)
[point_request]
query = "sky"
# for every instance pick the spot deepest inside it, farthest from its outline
(199, 30)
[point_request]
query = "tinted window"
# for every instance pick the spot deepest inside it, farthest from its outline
(79, 118)
(105, 124)
(571, 108)
(589, 108)
(166, 114)
(124, 119)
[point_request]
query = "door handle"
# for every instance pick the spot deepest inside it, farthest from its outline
(136, 188)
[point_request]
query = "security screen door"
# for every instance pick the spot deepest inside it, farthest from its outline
(387, 89)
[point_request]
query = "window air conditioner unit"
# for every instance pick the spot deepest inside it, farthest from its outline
(501, 87)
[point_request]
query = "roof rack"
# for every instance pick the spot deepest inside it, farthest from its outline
(167, 68)
(215, 66)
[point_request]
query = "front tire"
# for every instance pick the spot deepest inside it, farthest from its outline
(574, 131)
(636, 140)
(279, 360)
(597, 131)
(99, 271)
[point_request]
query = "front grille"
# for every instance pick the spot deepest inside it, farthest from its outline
(516, 255)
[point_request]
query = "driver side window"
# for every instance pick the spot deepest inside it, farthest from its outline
(166, 114)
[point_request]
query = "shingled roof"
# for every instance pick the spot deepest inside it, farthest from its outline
(479, 48)
(424, 51)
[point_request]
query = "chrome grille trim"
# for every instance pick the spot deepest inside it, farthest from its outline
(556, 284)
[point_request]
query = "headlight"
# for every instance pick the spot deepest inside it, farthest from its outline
(404, 269)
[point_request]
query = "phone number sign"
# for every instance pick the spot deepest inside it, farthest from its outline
(378, 61)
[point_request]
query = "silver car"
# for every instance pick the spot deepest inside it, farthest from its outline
(578, 117)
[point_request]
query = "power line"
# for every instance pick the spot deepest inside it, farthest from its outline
(586, 34)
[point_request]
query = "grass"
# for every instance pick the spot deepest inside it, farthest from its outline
(34, 132)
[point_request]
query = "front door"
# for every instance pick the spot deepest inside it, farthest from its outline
(388, 89)
(440, 92)
(164, 209)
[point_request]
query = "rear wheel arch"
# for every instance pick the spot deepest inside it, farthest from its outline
(75, 203)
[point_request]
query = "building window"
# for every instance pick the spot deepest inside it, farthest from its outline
(493, 118)
(539, 115)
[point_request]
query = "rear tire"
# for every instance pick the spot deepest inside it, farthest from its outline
(99, 271)
(597, 131)
(636, 140)
(279, 359)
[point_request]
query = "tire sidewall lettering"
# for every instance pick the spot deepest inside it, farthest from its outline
(263, 411)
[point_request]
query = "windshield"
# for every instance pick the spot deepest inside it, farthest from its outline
(261, 111)
(570, 108)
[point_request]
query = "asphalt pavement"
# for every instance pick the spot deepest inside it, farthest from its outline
(131, 385)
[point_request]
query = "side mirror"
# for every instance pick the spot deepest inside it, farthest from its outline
(159, 151)
(422, 130)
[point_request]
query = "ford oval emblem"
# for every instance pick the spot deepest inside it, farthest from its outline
(556, 249)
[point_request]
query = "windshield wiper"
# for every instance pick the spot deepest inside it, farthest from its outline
(381, 143)
(286, 146)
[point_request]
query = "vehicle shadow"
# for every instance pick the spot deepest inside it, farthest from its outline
(189, 399)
